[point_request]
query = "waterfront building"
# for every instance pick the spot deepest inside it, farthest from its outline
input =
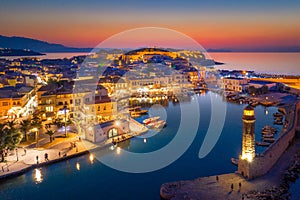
(17, 102)
(54, 101)
(233, 84)
(108, 130)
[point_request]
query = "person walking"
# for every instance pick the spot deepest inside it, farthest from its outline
(37, 159)
(46, 157)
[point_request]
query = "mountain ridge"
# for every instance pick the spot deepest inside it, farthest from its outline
(16, 42)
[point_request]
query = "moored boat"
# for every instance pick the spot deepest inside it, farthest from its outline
(277, 114)
(151, 119)
(157, 124)
(235, 161)
(269, 140)
(264, 144)
(268, 136)
(160, 124)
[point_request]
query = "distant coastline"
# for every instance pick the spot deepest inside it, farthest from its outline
(6, 52)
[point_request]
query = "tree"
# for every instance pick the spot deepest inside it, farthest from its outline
(280, 87)
(36, 122)
(264, 89)
(25, 128)
(50, 133)
(252, 89)
(10, 137)
(58, 122)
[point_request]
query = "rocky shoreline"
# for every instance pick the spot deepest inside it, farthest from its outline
(282, 191)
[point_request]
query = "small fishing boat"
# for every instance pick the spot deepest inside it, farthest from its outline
(268, 132)
(157, 124)
(151, 119)
(235, 161)
(277, 114)
(268, 136)
(137, 111)
(269, 140)
(160, 124)
(278, 122)
(264, 144)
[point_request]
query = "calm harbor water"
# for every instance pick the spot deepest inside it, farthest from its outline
(94, 180)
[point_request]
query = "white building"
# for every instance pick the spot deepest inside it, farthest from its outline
(233, 84)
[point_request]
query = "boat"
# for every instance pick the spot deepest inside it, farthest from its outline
(264, 144)
(269, 128)
(268, 136)
(137, 111)
(160, 124)
(157, 124)
(269, 140)
(151, 119)
(277, 114)
(278, 122)
(135, 115)
(235, 161)
(266, 132)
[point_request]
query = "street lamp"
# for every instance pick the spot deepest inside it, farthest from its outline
(17, 154)
(35, 130)
(65, 110)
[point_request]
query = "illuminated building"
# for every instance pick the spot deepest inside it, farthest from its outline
(16, 102)
(233, 84)
(53, 99)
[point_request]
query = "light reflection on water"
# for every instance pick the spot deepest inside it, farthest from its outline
(38, 176)
(78, 166)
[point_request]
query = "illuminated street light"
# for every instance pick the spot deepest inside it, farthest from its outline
(35, 130)
(17, 154)
(65, 111)
(117, 123)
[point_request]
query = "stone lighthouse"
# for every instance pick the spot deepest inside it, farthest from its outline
(248, 142)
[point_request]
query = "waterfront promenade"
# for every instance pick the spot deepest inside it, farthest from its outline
(60, 149)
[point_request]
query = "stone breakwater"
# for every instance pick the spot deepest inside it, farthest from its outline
(281, 192)
(262, 163)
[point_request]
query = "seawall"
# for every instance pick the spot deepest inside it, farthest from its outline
(262, 163)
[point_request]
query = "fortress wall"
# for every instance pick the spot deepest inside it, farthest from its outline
(264, 162)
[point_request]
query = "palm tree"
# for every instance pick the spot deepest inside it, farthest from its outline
(36, 122)
(50, 133)
(25, 128)
(10, 137)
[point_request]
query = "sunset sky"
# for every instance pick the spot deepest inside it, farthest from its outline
(214, 24)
